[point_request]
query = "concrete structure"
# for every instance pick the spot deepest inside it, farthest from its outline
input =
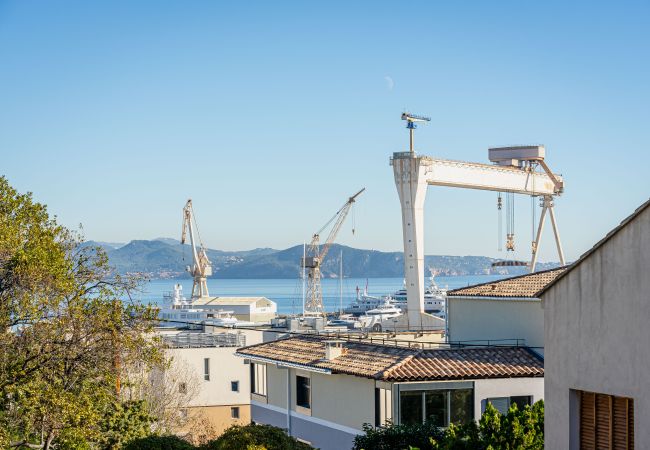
(247, 309)
(223, 394)
(505, 310)
(413, 174)
(597, 336)
(323, 391)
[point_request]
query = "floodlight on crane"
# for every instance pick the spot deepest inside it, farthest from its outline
(411, 120)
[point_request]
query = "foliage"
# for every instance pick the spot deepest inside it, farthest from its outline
(398, 437)
(124, 422)
(518, 429)
(255, 437)
(67, 338)
(159, 443)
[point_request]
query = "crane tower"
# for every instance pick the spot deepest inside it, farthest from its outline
(201, 266)
(315, 255)
(514, 170)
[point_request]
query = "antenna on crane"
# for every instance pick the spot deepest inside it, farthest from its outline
(201, 266)
(411, 120)
(315, 255)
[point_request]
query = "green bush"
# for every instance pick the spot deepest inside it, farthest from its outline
(159, 443)
(518, 429)
(255, 437)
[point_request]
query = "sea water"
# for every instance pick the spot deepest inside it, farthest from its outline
(287, 293)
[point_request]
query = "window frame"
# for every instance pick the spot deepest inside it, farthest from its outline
(303, 384)
(258, 379)
(234, 412)
(234, 385)
(447, 390)
(206, 369)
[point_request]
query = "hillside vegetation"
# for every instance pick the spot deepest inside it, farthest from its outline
(167, 258)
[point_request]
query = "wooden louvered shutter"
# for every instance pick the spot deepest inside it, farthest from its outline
(587, 421)
(603, 421)
(606, 422)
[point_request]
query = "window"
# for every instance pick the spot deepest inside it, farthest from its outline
(234, 386)
(303, 392)
(258, 379)
(182, 388)
(234, 412)
(206, 369)
(441, 407)
(502, 404)
(383, 406)
(606, 421)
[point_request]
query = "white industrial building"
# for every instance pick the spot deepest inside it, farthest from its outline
(597, 340)
(323, 391)
(503, 311)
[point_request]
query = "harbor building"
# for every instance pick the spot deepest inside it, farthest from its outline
(245, 309)
(597, 338)
(323, 391)
(501, 311)
(218, 379)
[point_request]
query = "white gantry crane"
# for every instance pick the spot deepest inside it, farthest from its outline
(201, 266)
(515, 171)
(315, 255)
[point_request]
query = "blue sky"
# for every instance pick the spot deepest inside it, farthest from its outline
(269, 115)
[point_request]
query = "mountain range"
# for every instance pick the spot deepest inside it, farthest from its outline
(167, 258)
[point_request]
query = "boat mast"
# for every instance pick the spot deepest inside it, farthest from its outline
(304, 253)
(341, 285)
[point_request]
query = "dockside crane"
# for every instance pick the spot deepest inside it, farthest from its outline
(201, 266)
(315, 255)
(514, 170)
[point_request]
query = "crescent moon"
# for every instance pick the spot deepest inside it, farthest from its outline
(389, 82)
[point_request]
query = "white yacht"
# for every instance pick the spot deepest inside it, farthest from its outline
(384, 311)
(434, 299)
(364, 302)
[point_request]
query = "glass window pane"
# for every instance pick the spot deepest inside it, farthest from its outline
(521, 401)
(410, 406)
(462, 406)
(302, 391)
(500, 403)
(436, 407)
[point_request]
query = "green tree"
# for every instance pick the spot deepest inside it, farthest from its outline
(66, 339)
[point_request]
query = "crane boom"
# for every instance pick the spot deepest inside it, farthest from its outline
(460, 174)
(201, 265)
(315, 256)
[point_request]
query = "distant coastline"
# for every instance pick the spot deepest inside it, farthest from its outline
(166, 258)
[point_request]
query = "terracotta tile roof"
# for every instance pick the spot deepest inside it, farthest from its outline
(402, 364)
(523, 286)
(645, 206)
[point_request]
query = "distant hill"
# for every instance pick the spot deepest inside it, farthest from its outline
(167, 258)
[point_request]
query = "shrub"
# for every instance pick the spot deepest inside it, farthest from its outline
(255, 437)
(159, 443)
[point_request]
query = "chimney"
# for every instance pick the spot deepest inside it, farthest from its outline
(334, 349)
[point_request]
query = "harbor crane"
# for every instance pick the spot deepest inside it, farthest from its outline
(315, 255)
(201, 266)
(514, 171)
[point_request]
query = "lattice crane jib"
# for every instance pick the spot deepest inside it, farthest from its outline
(315, 256)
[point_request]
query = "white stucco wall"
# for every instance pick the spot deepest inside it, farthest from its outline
(224, 368)
(505, 387)
(597, 331)
(483, 319)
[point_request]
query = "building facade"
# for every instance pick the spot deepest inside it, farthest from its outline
(506, 311)
(217, 379)
(597, 338)
(323, 391)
